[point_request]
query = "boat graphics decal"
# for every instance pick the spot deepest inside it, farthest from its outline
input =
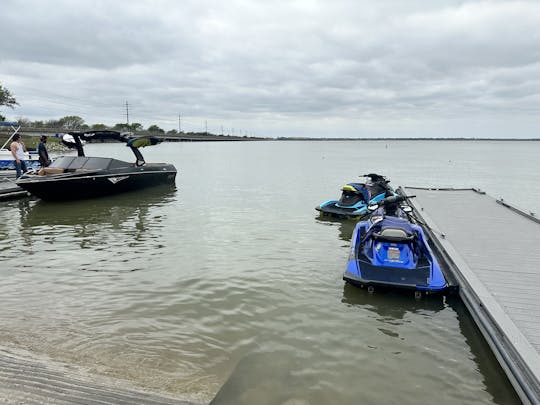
(115, 180)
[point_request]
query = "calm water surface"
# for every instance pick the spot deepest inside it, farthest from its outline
(229, 286)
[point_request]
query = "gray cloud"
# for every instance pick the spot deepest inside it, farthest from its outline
(340, 68)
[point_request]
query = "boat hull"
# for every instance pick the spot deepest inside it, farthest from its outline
(66, 187)
(8, 163)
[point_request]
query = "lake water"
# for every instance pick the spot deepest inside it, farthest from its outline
(231, 285)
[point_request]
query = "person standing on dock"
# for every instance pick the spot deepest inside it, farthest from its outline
(44, 160)
(17, 150)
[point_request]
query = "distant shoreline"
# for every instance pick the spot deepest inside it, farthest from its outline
(405, 139)
(206, 137)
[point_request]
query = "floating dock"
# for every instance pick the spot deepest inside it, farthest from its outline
(493, 250)
(8, 189)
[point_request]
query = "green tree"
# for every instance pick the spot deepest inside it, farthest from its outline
(24, 122)
(6, 98)
(99, 127)
(71, 122)
(136, 126)
(121, 127)
(2, 118)
(52, 124)
(155, 128)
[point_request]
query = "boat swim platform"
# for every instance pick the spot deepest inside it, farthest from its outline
(492, 249)
(26, 380)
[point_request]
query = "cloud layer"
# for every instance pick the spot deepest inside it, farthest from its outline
(285, 68)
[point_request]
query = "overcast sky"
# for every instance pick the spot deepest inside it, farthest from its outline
(435, 68)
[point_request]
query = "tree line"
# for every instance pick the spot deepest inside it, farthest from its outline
(76, 123)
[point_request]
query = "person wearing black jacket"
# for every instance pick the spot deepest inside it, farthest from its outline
(44, 160)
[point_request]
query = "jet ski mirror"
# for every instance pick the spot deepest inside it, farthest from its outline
(372, 207)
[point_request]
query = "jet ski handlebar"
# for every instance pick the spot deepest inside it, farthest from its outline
(395, 199)
(374, 177)
(390, 203)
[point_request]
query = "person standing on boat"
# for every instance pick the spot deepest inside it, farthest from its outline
(17, 150)
(44, 160)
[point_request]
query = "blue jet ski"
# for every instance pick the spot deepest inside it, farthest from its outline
(356, 197)
(388, 250)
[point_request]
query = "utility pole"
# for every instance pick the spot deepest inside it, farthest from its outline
(179, 124)
(222, 130)
(206, 127)
(127, 113)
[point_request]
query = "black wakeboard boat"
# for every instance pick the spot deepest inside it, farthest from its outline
(78, 177)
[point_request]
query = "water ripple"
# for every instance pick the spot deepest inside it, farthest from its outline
(231, 285)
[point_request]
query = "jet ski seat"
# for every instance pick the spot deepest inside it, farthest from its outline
(393, 235)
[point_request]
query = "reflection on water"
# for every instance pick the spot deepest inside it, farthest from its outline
(391, 305)
(495, 380)
(346, 226)
(124, 222)
(113, 210)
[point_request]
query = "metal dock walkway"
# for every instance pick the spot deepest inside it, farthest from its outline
(493, 250)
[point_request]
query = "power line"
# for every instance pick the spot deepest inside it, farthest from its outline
(127, 113)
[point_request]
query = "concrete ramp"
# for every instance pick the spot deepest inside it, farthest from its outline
(24, 380)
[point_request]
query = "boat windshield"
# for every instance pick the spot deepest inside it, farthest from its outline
(80, 162)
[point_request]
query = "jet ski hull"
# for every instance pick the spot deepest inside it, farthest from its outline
(356, 197)
(365, 270)
(332, 209)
